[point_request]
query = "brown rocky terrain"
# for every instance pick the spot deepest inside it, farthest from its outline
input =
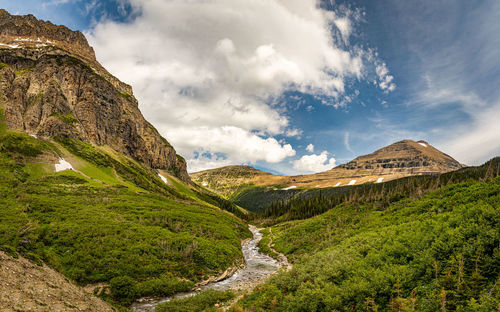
(401, 159)
(25, 286)
(51, 85)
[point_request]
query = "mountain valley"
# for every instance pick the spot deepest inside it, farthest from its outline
(98, 211)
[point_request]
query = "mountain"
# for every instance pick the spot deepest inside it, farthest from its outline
(52, 85)
(89, 187)
(400, 159)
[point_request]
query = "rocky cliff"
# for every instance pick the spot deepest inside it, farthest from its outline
(51, 85)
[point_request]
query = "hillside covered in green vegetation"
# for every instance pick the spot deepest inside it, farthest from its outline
(111, 220)
(434, 252)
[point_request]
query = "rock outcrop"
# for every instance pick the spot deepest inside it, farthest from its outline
(51, 85)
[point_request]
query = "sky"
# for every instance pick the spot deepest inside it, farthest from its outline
(300, 86)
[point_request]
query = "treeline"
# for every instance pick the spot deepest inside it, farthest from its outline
(313, 202)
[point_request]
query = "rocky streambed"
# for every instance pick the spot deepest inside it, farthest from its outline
(258, 268)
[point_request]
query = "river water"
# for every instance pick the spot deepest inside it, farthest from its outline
(258, 268)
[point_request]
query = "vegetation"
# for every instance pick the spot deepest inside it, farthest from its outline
(148, 239)
(259, 198)
(204, 301)
(126, 96)
(68, 118)
(301, 204)
(437, 253)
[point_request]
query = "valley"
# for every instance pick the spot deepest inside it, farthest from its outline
(99, 213)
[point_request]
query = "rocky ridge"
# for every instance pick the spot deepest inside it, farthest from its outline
(52, 85)
(400, 159)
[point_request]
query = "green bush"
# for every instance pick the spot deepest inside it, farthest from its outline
(123, 289)
(204, 301)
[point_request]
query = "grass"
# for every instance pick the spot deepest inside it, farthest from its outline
(68, 118)
(114, 224)
(264, 244)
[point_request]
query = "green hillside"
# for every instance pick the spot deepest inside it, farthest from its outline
(440, 252)
(111, 220)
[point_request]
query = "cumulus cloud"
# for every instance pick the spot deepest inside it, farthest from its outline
(201, 69)
(240, 144)
(314, 163)
(310, 148)
(385, 81)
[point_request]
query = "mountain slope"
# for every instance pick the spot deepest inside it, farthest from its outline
(88, 186)
(400, 159)
(51, 85)
(437, 253)
(29, 287)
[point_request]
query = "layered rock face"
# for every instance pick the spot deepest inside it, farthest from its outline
(51, 85)
(400, 159)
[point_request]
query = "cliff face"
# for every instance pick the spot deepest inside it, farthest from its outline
(51, 85)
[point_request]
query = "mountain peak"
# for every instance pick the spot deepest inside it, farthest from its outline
(397, 160)
(28, 30)
(52, 86)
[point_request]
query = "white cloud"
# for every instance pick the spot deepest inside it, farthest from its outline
(385, 80)
(314, 163)
(242, 145)
(294, 132)
(346, 143)
(310, 148)
(201, 68)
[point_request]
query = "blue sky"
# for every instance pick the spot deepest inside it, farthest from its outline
(442, 56)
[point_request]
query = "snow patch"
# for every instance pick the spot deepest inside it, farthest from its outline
(352, 182)
(338, 183)
(14, 46)
(380, 180)
(423, 144)
(32, 135)
(163, 178)
(204, 184)
(63, 165)
(288, 188)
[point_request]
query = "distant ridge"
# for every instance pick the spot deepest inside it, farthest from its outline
(400, 159)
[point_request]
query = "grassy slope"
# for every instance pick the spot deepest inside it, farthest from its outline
(116, 223)
(438, 253)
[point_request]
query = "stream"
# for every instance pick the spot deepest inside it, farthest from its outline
(258, 268)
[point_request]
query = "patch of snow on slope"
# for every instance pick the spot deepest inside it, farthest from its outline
(14, 46)
(63, 165)
(352, 182)
(423, 144)
(163, 178)
(338, 183)
(288, 188)
(204, 184)
(380, 180)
